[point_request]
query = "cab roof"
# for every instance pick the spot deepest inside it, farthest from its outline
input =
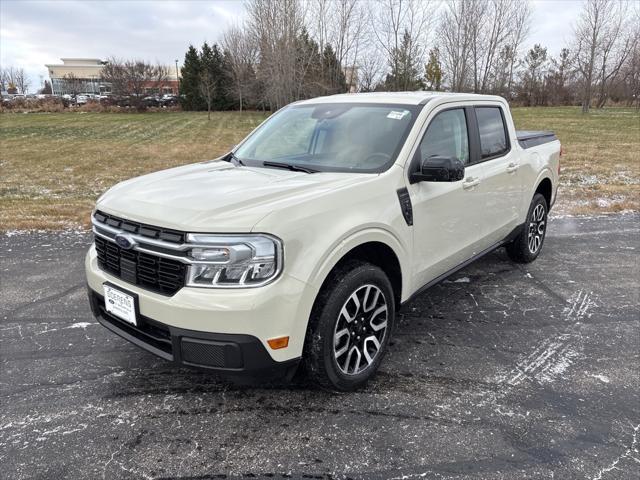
(400, 98)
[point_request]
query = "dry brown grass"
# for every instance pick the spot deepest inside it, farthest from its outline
(601, 161)
(54, 165)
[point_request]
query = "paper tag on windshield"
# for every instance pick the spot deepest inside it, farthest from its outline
(397, 115)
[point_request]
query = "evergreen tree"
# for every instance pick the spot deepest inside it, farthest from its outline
(221, 73)
(308, 68)
(334, 79)
(533, 76)
(433, 71)
(190, 97)
(404, 74)
(47, 88)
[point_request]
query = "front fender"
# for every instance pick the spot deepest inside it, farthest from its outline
(344, 245)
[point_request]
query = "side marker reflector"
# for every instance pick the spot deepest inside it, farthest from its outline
(280, 342)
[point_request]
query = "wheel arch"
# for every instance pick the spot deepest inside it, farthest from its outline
(377, 247)
(545, 188)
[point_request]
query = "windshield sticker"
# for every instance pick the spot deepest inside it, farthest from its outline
(398, 115)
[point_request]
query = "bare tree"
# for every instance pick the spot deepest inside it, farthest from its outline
(520, 26)
(630, 71)
(370, 71)
(394, 22)
(160, 76)
(479, 42)
(241, 52)
(4, 79)
(505, 23)
(207, 87)
(598, 34)
(21, 80)
(72, 84)
(342, 25)
(455, 37)
(133, 77)
(276, 26)
(618, 43)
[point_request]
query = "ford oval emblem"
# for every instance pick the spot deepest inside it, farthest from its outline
(125, 241)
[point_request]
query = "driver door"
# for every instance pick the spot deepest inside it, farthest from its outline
(447, 216)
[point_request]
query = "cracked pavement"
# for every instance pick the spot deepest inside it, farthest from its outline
(503, 371)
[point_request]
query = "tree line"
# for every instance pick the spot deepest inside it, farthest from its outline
(288, 50)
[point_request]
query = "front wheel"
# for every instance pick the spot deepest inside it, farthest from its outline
(350, 326)
(527, 245)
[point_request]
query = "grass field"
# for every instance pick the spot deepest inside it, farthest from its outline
(54, 166)
(601, 160)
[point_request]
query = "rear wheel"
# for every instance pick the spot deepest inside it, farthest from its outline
(349, 327)
(527, 245)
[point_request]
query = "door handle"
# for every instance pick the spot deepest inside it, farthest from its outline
(512, 167)
(470, 182)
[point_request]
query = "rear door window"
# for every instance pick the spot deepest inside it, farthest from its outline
(493, 134)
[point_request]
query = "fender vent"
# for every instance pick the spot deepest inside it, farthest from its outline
(405, 205)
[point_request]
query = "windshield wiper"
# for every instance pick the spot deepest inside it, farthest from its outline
(289, 166)
(231, 157)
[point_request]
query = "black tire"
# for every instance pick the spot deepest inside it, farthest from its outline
(526, 247)
(319, 357)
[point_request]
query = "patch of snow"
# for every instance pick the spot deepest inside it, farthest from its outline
(462, 280)
(602, 378)
(80, 325)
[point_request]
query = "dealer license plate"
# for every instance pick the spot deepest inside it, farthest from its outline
(120, 304)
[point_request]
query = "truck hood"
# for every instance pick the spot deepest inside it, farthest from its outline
(216, 196)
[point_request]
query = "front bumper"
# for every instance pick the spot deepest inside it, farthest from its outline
(232, 354)
(240, 321)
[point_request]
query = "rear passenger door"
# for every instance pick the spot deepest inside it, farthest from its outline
(502, 190)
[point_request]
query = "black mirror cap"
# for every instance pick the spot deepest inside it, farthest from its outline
(439, 169)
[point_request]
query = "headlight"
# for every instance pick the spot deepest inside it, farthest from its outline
(233, 261)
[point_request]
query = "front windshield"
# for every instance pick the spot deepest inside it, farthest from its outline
(331, 137)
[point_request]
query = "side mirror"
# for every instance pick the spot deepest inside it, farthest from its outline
(439, 169)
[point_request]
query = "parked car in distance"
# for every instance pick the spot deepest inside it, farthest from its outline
(81, 99)
(169, 100)
(151, 101)
(299, 246)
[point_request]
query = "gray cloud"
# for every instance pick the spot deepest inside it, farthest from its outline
(33, 33)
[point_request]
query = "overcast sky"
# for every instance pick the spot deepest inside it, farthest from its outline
(34, 33)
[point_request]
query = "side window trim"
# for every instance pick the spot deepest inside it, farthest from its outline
(414, 165)
(474, 136)
(477, 133)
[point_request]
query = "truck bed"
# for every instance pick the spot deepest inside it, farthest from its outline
(531, 138)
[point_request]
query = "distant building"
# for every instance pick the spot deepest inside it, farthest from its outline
(88, 72)
(351, 77)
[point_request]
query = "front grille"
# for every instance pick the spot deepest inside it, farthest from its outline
(166, 234)
(151, 272)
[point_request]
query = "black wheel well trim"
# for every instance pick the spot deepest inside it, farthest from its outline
(379, 254)
(545, 188)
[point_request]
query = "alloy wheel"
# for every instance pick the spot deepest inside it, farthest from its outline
(537, 225)
(360, 330)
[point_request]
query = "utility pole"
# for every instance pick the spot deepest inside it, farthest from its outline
(177, 76)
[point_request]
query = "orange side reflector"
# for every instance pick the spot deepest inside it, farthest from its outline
(280, 342)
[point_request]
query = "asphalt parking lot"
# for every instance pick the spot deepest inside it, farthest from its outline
(501, 372)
